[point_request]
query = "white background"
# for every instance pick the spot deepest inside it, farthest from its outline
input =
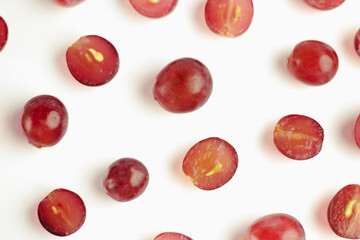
(252, 91)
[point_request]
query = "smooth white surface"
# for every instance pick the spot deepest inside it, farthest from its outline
(252, 91)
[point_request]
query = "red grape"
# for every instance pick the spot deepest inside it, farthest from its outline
(229, 18)
(313, 62)
(277, 226)
(92, 60)
(62, 212)
(68, 3)
(210, 163)
(3, 33)
(127, 178)
(182, 86)
(298, 137)
(357, 42)
(325, 4)
(172, 236)
(154, 8)
(44, 120)
(343, 212)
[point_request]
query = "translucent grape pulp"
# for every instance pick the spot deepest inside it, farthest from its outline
(325, 5)
(171, 236)
(154, 8)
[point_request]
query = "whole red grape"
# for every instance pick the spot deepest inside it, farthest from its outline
(325, 4)
(127, 179)
(357, 42)
(44, 120)
(3, 33)
(277, 226)
(313, 62)
(183, 86)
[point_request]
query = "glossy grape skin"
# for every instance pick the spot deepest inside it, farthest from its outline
(210, 163)
(92, 60)
(62, 212)
(172, 236)
(343, 212)
(3, 33)
(277, 226)
(183, 86)
(229, 18)
(68, 3)
(357, 42)
(325, 5)
(126, 179)
(44, 120)
(298, 137)
(154, 8)
(313, 62)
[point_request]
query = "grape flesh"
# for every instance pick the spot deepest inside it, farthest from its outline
(325, 5)
(343, 212)
(298, 137)
(229, 18)
(3, 33)
(127, 179)
(183, 86)
(210, 163)
(154, 8)
(313, 62)
(44, 120)
(62, 212)
(277, 226)
(92, 60)
(171, 236)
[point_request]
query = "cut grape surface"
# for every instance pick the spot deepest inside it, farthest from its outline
(325, 4)
(172, 236)
(210, 163)
(298, 137)
(343, 212)
(229, 18)
(62, 212)
(357, 42)
(357, 131)
(154, 8)
(183, 86)
(44, 120)
(127, 179)
(313, 62)
(68, 3)
(92, 60)
(3, 33)
(277, 226)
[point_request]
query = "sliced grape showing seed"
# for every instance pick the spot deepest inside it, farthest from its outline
(210, 163)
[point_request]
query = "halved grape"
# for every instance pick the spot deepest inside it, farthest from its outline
(92, 60)
(183, 86)
(172, 236)
(210, 163)
(229, 18)
(3, 33)
(298, 137)
(44, 120)
(343, 212)
(62, 212)
(154, 8)
(325, 4)
(277, 226)
(313, 62)
(127, 179)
